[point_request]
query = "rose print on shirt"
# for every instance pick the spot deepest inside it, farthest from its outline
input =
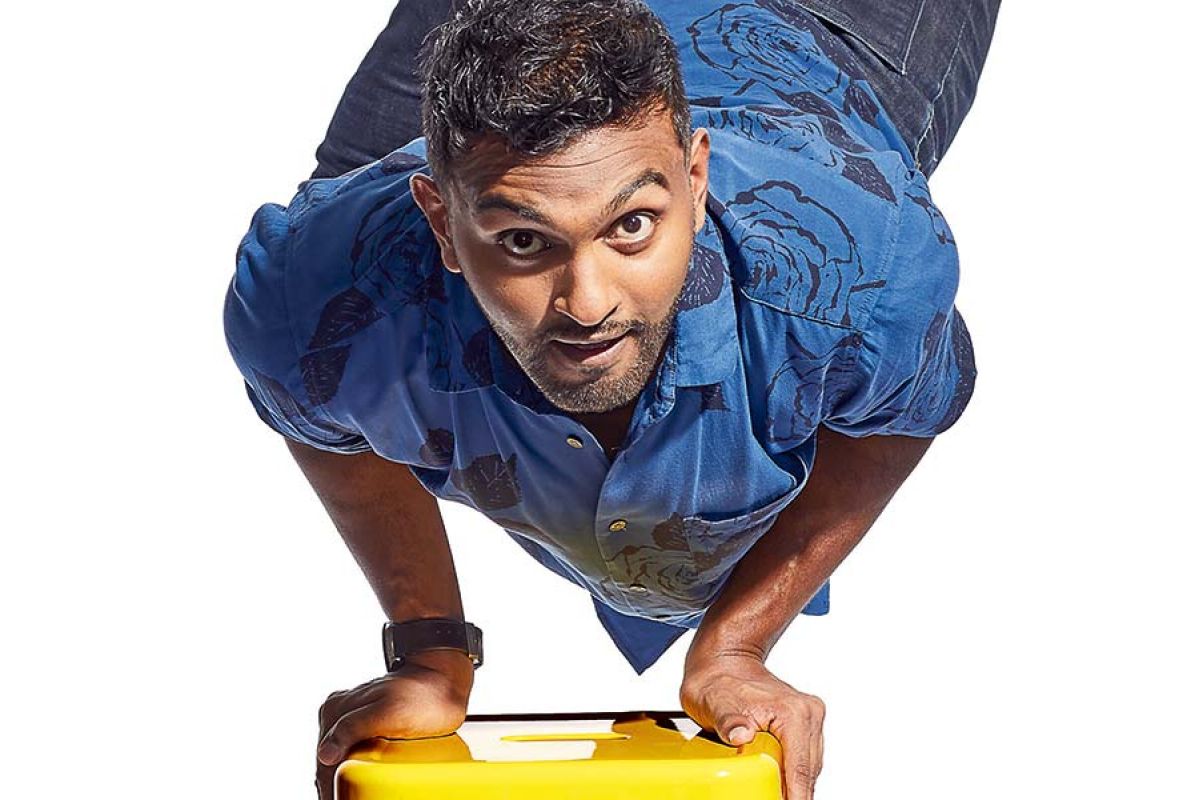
(805, 386)
(783, 52)
(712, 398)
(344, 315)
(940, 226)
(476, 357)
(823, 141)
(387, 254)
(438, 448)
(399, 161)
(705, 278)
(461, 363)
(945, 378)
(296, 414)
(858, 96)
(669, 572)
(668, 534)
(712, 550)
(438, 353)
(321, 371)
(489, 481)
(799, 254)
(864, 173)
(963, 356)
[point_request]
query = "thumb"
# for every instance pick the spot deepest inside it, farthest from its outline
(354, 726)
(328, 752)
(736, 729)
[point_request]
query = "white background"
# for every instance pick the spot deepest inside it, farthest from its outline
(1019, 623)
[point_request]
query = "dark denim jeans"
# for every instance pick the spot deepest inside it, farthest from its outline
(922, 57)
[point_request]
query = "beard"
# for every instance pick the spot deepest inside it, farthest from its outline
(600, 390)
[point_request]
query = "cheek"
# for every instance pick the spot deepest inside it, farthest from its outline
(519, 304)
(660, 283)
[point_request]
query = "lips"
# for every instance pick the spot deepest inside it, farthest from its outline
(592, 346)
(583, 352)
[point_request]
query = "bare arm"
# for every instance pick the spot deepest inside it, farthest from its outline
(852, 480)
(726, 686)
(394, 529)
(391, 525)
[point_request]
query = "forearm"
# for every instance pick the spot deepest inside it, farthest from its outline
(393, 528)
(852, 480)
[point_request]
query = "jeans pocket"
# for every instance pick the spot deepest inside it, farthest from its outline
(883, 28)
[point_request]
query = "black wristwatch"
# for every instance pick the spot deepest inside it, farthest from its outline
(438, 633)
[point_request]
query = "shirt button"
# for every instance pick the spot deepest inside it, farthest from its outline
(575, 442)
(638, 589)
(618, 525)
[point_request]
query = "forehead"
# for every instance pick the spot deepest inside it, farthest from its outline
(595, 169)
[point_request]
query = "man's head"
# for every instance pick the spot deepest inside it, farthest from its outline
(567, 187)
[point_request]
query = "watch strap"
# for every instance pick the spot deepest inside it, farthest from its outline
(435, 633)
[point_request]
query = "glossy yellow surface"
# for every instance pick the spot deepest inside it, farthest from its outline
(626, 756)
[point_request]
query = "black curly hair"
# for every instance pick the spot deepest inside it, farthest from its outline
(539, 73)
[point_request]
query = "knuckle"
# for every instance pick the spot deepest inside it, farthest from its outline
(724, 717)
(329, 707)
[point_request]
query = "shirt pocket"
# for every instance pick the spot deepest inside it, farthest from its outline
(718, 542)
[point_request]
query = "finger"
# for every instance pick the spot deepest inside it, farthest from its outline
(800, 756)
(816, 736)
(354, 726)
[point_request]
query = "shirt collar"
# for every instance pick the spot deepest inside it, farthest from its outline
(465, 354)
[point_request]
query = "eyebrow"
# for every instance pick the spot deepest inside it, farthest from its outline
(499, 201)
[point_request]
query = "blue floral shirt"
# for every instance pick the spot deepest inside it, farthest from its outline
(820, 291)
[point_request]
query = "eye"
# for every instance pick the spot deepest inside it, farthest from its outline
(633, 225)
(521, 240)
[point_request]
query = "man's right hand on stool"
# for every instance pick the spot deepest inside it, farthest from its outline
(425, 697)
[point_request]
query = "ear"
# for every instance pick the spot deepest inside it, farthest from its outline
(701, 145)
(436, 210)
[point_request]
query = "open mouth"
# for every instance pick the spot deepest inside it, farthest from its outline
(591, 354)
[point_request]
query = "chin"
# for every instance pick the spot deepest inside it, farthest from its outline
(605, 393)
(589, 405)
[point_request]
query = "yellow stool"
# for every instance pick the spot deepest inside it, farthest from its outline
(616, 756)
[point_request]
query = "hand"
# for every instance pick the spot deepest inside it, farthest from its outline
(425, 697)
(735, 696)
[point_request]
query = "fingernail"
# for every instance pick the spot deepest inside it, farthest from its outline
(740, 735)
(326, 753)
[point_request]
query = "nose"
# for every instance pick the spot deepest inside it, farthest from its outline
(588, 292)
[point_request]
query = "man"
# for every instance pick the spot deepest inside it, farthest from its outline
(643, 264)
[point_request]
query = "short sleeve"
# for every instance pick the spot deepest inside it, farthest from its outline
(258, 334)
(913, 370)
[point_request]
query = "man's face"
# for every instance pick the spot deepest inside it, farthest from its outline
(589, 244)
